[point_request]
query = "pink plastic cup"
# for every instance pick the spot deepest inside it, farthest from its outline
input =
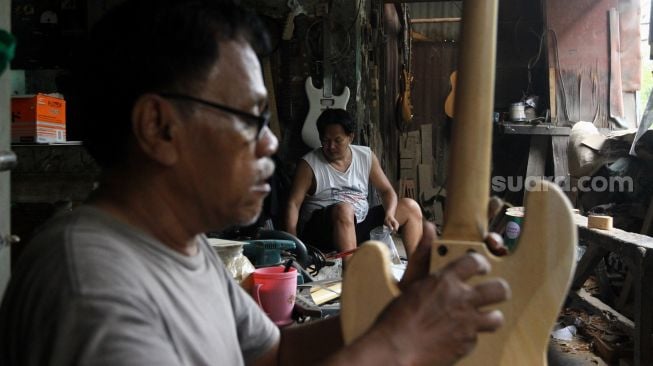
(274, 291)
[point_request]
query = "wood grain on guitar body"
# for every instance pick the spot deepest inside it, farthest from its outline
(319, 100)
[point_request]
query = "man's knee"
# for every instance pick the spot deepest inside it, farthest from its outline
(412, 208)
(343, 213)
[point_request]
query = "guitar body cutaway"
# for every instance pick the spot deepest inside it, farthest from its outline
(539, 272)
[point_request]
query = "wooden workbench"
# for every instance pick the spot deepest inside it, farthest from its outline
(637, 253)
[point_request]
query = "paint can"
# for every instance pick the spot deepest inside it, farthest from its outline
(517, 112)
(515, 217)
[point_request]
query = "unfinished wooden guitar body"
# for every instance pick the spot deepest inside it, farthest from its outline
(539, 272)
(541, 267)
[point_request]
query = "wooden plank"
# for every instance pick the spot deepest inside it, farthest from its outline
(426, 143)
(406, 146)
(552, 94)
(630, 45)
(616, 91)
(561, 162)
(323, 294)
(434, 20)
(601, 222)
(536, 157)
(560, 159)
(574, 54)
(629, 244)
(586, 300)
(406, 163)
(425, 182)
(528, 129)
(407, 174)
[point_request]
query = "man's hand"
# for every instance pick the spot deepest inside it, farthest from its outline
(391, 222)
(420, 263)
(494, 243)
(437, 317)
(436, 320)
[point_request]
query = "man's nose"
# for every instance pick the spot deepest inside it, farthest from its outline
(267, 144)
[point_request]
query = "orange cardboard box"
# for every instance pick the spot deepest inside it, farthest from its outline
(38, 118)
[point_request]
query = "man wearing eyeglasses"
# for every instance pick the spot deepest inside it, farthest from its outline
(129, 279)
(328, 203)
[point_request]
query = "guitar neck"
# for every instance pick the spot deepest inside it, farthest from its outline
(327, 66)
(469, 170)
(327, 81)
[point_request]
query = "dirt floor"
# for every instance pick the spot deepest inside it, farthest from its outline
(572, 353)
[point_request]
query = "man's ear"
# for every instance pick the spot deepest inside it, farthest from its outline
(154, 125)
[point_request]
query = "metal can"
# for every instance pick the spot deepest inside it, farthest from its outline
(515, 216)
(517, 112)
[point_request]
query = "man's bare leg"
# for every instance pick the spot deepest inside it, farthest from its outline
(344, 227)
(409, 216)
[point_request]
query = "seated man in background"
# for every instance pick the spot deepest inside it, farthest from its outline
(328, 205)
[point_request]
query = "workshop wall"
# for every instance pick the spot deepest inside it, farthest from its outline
(369, 60)
(364, 34)
(521, 70)
(595, 54)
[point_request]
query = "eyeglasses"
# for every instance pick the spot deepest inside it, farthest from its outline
(260, 122)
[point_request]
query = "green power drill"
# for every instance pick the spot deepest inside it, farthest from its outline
(266, 252)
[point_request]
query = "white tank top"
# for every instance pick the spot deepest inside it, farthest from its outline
(333, 186)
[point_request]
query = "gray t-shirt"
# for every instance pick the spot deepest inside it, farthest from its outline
(90, 290)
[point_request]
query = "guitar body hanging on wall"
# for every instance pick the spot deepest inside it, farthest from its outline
(449, 103)
(405, 105)
(320, 99)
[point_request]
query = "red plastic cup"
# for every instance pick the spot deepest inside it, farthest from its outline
(274, 290)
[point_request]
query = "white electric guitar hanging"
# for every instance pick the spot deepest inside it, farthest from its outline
(321, 99)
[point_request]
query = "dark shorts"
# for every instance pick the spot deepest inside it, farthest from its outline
(318, 231)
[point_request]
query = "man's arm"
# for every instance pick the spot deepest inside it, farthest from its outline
(300, 187)
(388, 196)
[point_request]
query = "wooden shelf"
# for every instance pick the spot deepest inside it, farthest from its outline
(534, 129)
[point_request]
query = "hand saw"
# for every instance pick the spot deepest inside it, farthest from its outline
(540, 269)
